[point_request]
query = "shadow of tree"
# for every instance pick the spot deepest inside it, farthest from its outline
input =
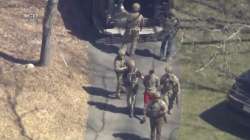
(16, 60)
(76, 15)
(192, 85)
(128, 136)
(213, 42)
(223, 118)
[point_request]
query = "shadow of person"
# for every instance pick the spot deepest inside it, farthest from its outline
(95, 91)
(221, 117)
(146, 53)
(108, 107)
(128, 136)
(106, 48)
(113, 108)
(16, 60)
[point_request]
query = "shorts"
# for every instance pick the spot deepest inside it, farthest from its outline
(147, 98)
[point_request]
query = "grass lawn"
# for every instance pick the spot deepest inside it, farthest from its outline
(205, 89)
(211, 51)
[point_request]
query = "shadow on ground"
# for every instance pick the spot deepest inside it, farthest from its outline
(95, 91)
(128, 136)
(146, 53)
(114, 109)
(221, 117)
(106, 48)
(16, 60)
(76, 15)
(199, 86)
(114, 49)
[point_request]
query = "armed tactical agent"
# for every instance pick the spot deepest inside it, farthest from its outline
(132, 85)
(133, 26)
(156, 111)
(170, 88)
(120, 69)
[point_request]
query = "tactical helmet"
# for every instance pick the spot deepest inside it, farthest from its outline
(131, 63)
(136, 7)
(121, 52)
(152, 71)
(168, 68)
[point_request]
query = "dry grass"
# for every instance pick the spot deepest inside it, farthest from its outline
(40, 103)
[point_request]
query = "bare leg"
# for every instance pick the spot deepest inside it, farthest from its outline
(133, 47)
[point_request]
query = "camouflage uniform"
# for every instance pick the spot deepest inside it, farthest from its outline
(133, 77)
(156, 111)
(133, 26)
(151, 83)
(120, 68)
(170, 88)
(170, 28)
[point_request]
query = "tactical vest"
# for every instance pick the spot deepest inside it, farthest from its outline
(134, 23)
(170, 28)
(169, 84)
(154, 109)
(133, 77)
(119, 63)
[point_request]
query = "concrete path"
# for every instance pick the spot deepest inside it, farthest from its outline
(108, 119)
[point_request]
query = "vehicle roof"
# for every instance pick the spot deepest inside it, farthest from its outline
(244, 77)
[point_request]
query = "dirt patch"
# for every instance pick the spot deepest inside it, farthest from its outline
(39, 103)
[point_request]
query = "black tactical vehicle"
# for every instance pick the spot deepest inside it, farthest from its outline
(239, 97)
(111, 14)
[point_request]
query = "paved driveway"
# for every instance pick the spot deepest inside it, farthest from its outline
(108, 118)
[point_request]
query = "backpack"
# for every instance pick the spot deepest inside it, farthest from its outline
(153, 109)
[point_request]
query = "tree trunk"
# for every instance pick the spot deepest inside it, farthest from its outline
(46, 49)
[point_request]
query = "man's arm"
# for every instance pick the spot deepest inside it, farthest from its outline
(142, 22)
(157, 80)
(176, 88)
(139, 74)
(118, 68)
(163, 108)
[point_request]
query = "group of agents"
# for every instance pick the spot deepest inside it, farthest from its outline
(160, 94)
(134, 24)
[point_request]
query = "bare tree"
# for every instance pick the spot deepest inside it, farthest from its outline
(46, 49)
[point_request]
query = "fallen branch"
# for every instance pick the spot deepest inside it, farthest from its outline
(63, 58)
(208, 63)
(237, 32)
